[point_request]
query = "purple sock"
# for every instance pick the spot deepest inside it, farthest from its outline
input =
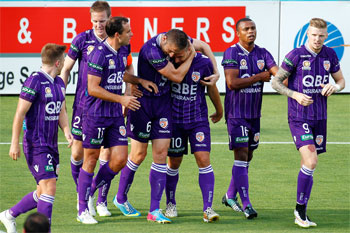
(103, 191)
(75, 168)
(27, 203)
(126, 179)
(84, 187)
(231, 191)
(172, 177)
(307, 197)
(206, 183)
(157, 179)
(304, 183)
(104, 176)
(45, 203)
(241, 181)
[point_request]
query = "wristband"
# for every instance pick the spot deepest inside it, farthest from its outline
(337, 87)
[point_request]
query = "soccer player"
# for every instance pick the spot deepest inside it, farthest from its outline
(42, 107)
(247, 66)
(190, 122)
(80, 51)
(104, 121)
(153, 120)
(308, 69)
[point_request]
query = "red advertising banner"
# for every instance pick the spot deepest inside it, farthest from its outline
(27, 29)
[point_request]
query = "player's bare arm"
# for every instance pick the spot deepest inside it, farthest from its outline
(22, 109)
(68, 66)
(148, 85)
(97, 91)
(339, 85)
(64, 125)
(177, 75)
(234, 82)
(206, 50)
(277, 84)
(215, 99)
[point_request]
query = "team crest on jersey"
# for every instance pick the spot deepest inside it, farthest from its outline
(196, 76)
(125, 61)
(111, 64)
(326, 65)
(48, 93)
(306, 65)
(122, 130)
(63, 91)
(89, 49)
(319, 140)
(257, 137)
(163, 122)
(243, 63)
(261, 64)
(200, 136)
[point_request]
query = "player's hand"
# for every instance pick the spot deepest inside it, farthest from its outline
(302, 99)
(265, 76)
(149, 86)
(328, 89)
(15, 151)
(211, 80)
(216, 117)
(130, 102)
(69, 138)
(135, 91)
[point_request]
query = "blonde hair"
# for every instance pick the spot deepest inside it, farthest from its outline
(318, 23)
(100, 6)
(50, 53)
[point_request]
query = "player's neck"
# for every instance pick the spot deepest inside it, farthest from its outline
(248, 46)
(113, 43)
(50, 70)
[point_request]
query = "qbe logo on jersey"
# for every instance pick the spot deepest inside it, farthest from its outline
(335, 39)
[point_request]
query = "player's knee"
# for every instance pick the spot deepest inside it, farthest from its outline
(138, 157)
(241, 154)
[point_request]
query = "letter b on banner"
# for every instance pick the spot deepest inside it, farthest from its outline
(69, 25)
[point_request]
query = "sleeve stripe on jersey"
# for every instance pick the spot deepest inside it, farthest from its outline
(29, 91)
(288, 62)
(75, 48)
(229, 61)
(95, 66)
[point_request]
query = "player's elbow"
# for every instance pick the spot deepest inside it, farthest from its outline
(274, 84)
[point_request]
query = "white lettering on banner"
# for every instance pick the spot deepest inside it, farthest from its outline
(203, 30)
(174, 21)
(69, 30)
(148, 28)
(225, 24)
(24, 24)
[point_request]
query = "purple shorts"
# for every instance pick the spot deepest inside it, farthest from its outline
(197, 133)
(104, 131)
(243, 133)
(43, 164)
(152, 121)
(309, 132)
(77, 123)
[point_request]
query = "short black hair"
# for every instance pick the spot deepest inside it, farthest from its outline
(178, 37)
(37, 222)
(115, 24)
(242, 20)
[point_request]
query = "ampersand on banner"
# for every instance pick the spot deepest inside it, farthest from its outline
(23, 35)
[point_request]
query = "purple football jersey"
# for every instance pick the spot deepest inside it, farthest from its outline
(308, 70)
(151, 59)
(41, 121)
(246, 102)
(80, 49)
(188, 97)
(109, 65)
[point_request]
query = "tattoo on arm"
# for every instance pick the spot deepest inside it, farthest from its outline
(277, 83)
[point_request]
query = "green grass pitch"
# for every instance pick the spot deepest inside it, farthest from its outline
(272, 177)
